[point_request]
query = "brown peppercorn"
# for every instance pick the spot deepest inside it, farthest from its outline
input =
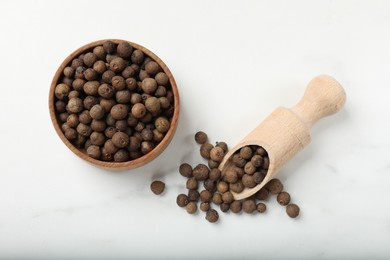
(79, 73)
(161, 91)
(87, 144)
(162, 124)
(97, 138)
(135, 154)
(261, 207)
(223, 145)
(212, 216)
(204, 206)
(80, 141)
(209, 185)
(238, 160)
(91, 87)
(215, 174)
(152, 104)
(78, 84)
(136, 68)
(122, 96)
(192, 184)
(205, 196)
(265, 163)
(75, 105)
(134, 144)
(143, 75)
(90, 74)
(222, 187)
(107, 76)
(249, 206)
(70, 134)
(67, 81)
(152, 68)
(227, 197)
(248, 181)
(118, 83)
(110, 131)
(117, 64)
(72, 120)
(146, 147)
(60, 106)
(149, 85)
(217, 198)
(94, 151)
(84, 130)
(212, 164)
(89, 59)
(164, 103)
(124, 49)
(236, 187)
(201, 172)
(258, 177)
(109, 46)
(119, 111)
(64, 127)
(90, 101)
(68, 72)
(121, 156)
(97, 112)
(61, 91)
(283, 198)
(230, 176)
(261, 151)
(224, 207)
(99, 66)
(110, 147)
(99, 52)
(185, 170)
(292, 210)
(191, 207)
(257, 160)
(107, 104)
(236, 206)
(120, 139)
(205, 150)
(106, 91)
(193, 195)
(73, 94)
(147, 134)
(63, 116)
(147, 118)
(201, 137)
(106, 156)
(161, 78)
(249, 168)
(157, 136)
(217, 154)
(98, 125)
(138, 110)
(262, 194)
(137, 57)
(131, 83)
(157, 187)
(246, 152)
(128, 72)
(274, 186)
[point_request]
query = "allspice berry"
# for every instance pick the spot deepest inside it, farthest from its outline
(117, 64)
(274, 186)
(185, 170)
(106, 91)
(72, 120)
(152, 68)
(231, 176)
(161, 78)
(110, 147)
(120, 139)
(215, 174)
(118, 83)
(94, 151)
(121, 156)
(223, 145)
(246, 152)
(257, 160)
(205, 196)
(192, 184)
(138, 110)
(75, 105)
(119, 111)
(91, 87)
(182, 200)
(236, 187)
(124, 49)
(248, 181)
(249, 206)
(191, 207)
(227, 197)
(201, 172)
(217, 198)
(70, 134)
(149, 85)
(283, 198)
(205, 150)
(259, 177)
(262, 194)
(162, 124)
(222, 187)
(217, 154)
(261, 207)
(212, 216)
(109, 46)
(292, 210)
(249, 168)
(201, 137)
(204, 206)
(61, 91)
(224, 207)
(84, 130)
(236, 206)
(157, 187)
(152, 104)
(137, 57)
(97, 138)
(96, 112)
(209, 185)
(238, 160)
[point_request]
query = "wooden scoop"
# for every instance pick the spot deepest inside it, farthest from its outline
(287, 131)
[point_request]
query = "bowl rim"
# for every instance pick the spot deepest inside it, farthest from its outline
(132, 164)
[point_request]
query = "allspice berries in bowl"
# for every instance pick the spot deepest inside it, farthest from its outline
(114, 104)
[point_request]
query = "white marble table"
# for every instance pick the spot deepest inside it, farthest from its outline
(234, 62)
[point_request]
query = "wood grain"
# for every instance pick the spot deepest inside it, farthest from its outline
(81, 153)
(285, 131)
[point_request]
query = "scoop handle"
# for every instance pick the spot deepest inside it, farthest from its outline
(324, 96)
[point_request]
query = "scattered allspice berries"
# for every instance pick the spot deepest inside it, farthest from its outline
(292, 210)
(157, 187)
(212, 216)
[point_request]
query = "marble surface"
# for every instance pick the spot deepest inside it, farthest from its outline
(234, 62)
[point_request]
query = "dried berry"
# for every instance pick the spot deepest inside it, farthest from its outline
(201, 137)
(161, 78)
(262, 194)
(257, 160)
(149, 85)
(117, 64)
(236, 206)
(152, 104)
(193, 195)
(157, 187)
(205, 196)
(224, 207)
(230, 176)
(138, 110)
(248, 181)
(72, 120)
(261, 207)
(215, 174)
(258, 177)
(223, 145)
(61, 91)
(97, 138)
(118, 83)
(238, 160)
(162, 124)
(94, 151)
(249, 206)
(185, 170)
(217, 154)
(119, 111)
(222, 187)
(110, 147)
(249, 168)
(292, 210)
(146, 147)
(191, 207)
(205, 150)
(212, 216)
(120, 139)
(192, 184)
(124, 49)
(246, 152)
(137, 56)
(217, 198)
(97, 112)
(204, 206)
(98, 125)
(209, 185)
(236, 187)
(201, 172)
(121, 156)
(274, 186)
(283, 198)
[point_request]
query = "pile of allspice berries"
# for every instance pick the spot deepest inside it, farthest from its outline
(114, 101)
(250, 168)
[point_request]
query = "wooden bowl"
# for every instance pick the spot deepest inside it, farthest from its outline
(82, 152)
